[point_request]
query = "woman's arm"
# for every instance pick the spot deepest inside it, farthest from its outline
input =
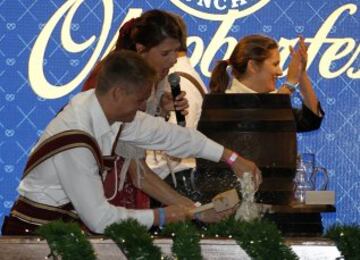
(297, 75)
(306, 88)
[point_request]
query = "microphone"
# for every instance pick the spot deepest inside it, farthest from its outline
(174, 81)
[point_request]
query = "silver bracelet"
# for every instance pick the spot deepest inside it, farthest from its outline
(291, 87)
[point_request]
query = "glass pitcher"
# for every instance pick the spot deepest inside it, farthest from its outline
(304, 170)
(302, 184)
(319, 179)
(308, 177)
(307, 161)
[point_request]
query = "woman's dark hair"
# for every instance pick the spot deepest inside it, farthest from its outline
(252, 47)
(183, 27)
(150, 29)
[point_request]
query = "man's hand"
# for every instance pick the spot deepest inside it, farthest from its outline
(184, 201)
(175, 213)
(241, 165)
(212, 216)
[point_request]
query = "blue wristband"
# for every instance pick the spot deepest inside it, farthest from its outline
(162, 217)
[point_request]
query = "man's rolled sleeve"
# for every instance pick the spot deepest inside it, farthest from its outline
(212, 151)
(145, 217)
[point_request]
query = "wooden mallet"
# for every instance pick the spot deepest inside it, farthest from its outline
(222, 201)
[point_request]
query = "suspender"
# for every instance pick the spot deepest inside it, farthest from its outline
(108, 160)
(61, 142)
(68, 140)
(30, 213)
(193, 81)
(117, 139)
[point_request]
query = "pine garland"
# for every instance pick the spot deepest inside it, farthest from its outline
(347, 240)
(67, 240)
(133, 239)
(186, 239)
(260, 239)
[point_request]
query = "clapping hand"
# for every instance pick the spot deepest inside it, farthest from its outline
(297, 65)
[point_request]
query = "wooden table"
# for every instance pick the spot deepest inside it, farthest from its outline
(299, 219)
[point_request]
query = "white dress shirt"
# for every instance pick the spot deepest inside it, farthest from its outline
(152, 104)
(238, 87)
(158, 161)
(73, 175)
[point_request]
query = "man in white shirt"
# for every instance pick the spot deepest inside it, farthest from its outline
(72, 176)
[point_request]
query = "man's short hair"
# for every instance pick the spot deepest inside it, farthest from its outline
(125, 69)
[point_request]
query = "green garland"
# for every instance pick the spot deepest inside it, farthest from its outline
(260, 239)
(186, 240)
(133, 239)
(67, 240)
(347, 240)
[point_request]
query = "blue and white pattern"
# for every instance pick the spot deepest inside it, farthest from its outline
(34, 85)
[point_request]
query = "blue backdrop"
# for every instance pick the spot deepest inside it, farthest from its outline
(47, 49)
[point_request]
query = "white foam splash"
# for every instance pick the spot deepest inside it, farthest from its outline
(248, 209)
